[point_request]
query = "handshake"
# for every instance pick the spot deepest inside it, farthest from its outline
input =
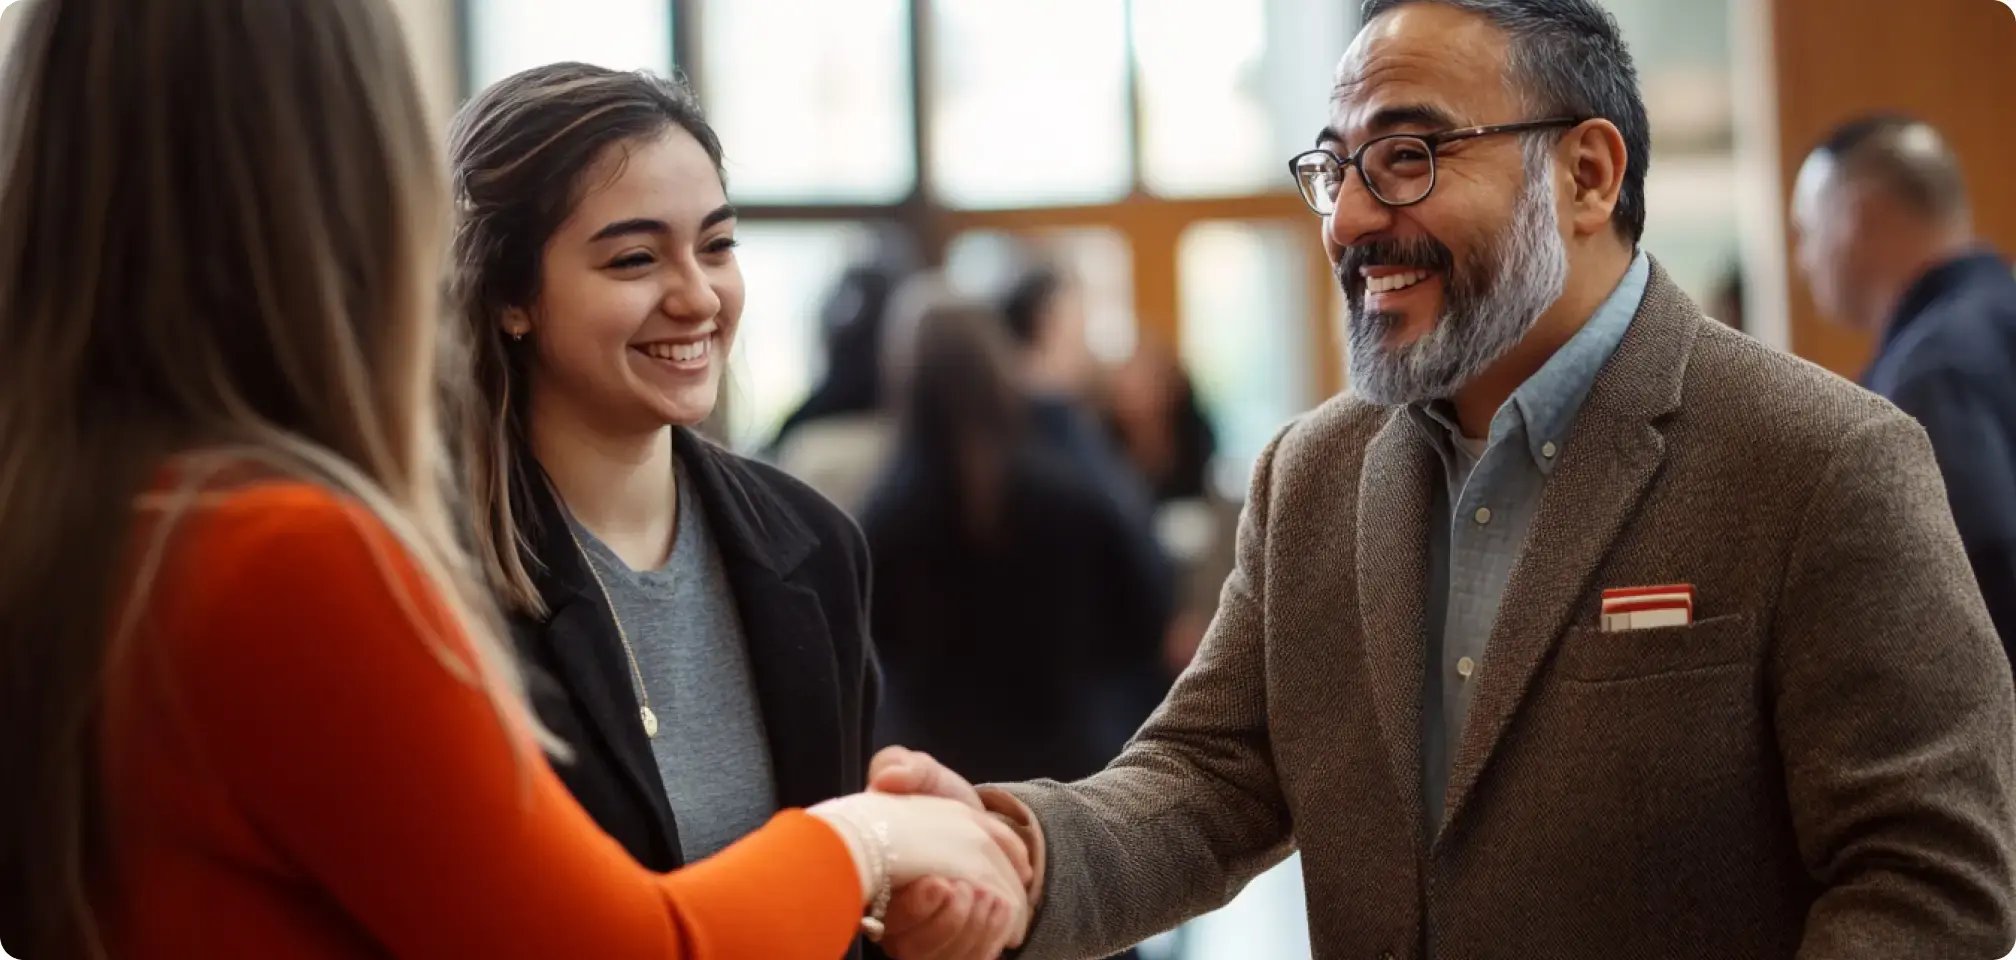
(961, 880)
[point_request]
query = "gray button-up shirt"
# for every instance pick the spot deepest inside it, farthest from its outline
(1479, 521)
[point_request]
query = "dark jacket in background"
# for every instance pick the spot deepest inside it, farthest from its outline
(1000, 661)
(799, 571)
(851, 323)
(1082, 445)
(1070, 430)
(1949, 359)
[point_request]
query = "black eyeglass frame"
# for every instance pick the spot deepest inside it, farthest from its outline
(1433, 141)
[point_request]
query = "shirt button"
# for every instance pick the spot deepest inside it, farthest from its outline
(1465, 667)
(1548, 449)
(1483, 515)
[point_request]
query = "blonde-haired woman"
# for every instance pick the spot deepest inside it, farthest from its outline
(252, 702)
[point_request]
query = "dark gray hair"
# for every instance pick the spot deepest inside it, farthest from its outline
(1906, 157)
(1569, 59)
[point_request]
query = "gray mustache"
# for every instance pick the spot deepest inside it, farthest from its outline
(1419, 253)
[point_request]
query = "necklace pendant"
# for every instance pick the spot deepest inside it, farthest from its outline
(650, 721)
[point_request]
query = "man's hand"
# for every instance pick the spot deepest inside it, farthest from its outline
(938, 919)
(934, 918)
(906, 771)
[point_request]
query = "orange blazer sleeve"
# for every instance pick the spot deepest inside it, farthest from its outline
(299, 643)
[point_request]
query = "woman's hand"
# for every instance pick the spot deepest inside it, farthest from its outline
(929, 837)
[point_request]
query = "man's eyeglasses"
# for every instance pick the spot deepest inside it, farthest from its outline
(1398, 169)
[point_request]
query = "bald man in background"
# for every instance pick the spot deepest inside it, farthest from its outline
(1887, 244)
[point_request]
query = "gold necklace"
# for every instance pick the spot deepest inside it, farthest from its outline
(644, 711)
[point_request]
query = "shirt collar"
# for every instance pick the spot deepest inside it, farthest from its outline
(1546, 404)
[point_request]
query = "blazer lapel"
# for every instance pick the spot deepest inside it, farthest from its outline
(1395, 494)
(797, 682)
(764, 544)
(1612, 455)
(609, 698)
(598, 672)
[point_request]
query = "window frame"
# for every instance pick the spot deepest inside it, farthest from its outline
(1152, 225)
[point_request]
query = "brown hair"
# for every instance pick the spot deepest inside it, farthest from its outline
(960, 411)
(220, 227)
(519, 152)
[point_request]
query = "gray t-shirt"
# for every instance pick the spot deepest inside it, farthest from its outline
(711, 749)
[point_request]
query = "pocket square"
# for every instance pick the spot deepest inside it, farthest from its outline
(1641, 608)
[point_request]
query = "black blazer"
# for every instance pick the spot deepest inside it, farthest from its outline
(799, 571)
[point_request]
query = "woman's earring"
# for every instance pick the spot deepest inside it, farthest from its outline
(518, 336)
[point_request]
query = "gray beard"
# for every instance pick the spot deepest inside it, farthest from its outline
(1486, 313)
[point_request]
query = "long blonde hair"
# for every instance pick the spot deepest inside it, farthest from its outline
(220, 229)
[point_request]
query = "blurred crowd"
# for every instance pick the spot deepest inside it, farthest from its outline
(1045, 526)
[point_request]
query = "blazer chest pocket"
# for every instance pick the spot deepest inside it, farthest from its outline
(1591, 655)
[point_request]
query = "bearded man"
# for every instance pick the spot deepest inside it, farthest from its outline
(1583, 627)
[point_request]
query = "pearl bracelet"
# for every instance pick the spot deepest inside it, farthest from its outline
(872, 925)
(873, 842)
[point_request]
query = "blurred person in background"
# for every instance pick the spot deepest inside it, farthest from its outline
(1887, 244)
(255, 701)
(837, 441)
(1006, 581)
(1045, 314)
(1044, 310)
(1160, 424)
(699, 620)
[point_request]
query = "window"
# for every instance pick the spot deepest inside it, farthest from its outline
(1230, 89)
(1245, 332)
(507, 36)
(788, 270)
(1684, 69)
(1137, 144)
(1029, 101)
(814, 102)
(1204, 125)
(983, 263)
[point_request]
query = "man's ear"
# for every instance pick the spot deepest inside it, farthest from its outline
(1594, 156)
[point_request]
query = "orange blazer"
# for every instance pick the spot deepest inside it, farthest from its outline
(291, 770)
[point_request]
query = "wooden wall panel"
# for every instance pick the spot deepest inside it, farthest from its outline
(1950, 62)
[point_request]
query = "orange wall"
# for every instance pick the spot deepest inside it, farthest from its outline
(1950, 62)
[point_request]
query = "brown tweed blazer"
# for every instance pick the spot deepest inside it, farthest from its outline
(1820, 767)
